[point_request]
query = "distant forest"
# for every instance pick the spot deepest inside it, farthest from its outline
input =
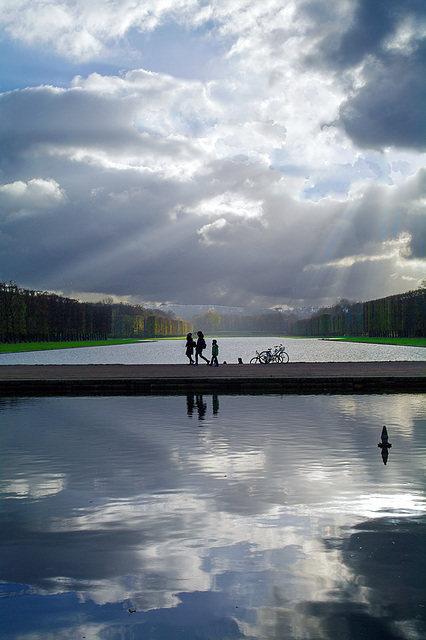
(398, 316)
(35, 316)
(31, 316)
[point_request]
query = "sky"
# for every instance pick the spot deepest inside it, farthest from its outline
(240, 153)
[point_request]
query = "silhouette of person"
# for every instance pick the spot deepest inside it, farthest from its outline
(215, 353)
(201, 344)
(190, 344)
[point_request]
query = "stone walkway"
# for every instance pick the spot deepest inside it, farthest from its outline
(297, 377)
(298, 369)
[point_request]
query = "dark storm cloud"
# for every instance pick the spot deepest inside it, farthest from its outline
(76, 119)
(372, 23)
(388, 109)
(363, 28)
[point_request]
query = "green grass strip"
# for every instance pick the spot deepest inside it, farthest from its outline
(407, 342)
(43, 346)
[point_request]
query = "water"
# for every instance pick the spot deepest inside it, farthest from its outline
(230, 349)
(200, 517)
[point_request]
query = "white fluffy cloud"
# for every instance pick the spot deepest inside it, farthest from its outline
(31, 198)
(82, 30)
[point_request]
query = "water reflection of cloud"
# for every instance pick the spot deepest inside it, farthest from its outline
(399, 413)
(231, 463)
(369, 587)
(154, 510)
(35, 487)
(162, 559)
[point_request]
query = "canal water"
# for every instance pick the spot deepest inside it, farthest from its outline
(230, 349)
(213, 517)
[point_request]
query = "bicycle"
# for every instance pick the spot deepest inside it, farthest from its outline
(256, 358)
(282, 354)
(265, 357)
(278, 356)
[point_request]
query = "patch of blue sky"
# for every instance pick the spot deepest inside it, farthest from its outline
(173, 49)
(332, 187)
(23, 66)
(170, 49)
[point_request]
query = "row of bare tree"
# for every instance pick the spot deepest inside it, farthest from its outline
(33, 316)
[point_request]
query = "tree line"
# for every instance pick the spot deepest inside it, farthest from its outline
(398, 316)
(35, 316)
(32, 316)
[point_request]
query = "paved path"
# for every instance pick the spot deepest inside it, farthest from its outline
(155, 371)
(297, 377)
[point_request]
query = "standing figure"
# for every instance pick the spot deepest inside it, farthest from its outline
(215, 353)
(201, 344)
(190, 344)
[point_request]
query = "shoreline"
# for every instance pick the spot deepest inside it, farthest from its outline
(299, 378)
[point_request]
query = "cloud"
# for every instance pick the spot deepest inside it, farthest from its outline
(375, 25)
(276, 179)
(380, 53)
(389, 109)
(21, 199)
(82, 31)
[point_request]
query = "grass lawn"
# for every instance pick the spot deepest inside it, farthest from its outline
(42, 346)
(408, 342)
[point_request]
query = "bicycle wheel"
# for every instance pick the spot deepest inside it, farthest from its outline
(284, 357)
(255, 360)
(264, 357)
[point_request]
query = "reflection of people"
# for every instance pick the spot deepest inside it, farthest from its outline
(201, 406)
(190, 404)
(215, 404)
(198, 401)
(201, 344)
(190, 344)
(215, 353)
